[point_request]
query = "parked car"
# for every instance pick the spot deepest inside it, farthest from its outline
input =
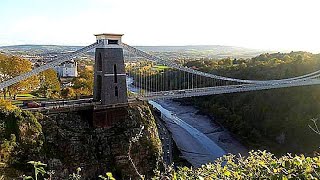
(33, 105)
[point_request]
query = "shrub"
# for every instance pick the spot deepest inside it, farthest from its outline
(258, 165)
(6, 105)
(20, 136)
(68, 93)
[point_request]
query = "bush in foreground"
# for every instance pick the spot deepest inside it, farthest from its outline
(258, 165)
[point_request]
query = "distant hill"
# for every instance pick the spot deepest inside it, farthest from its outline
(212, 51)
(188, 47)
(29, 48)
(192, 51)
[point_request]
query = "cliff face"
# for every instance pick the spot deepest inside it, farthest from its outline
(70, 142)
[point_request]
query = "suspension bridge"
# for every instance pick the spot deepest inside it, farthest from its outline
(111, 76)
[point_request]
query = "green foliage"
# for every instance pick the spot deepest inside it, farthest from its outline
(108, 176)
(276, 120)
(161, 67)
(263, 67)
(143, 115)
(258, 165)
(7, 149)
(21, 136)
(68, 93)
(6, 105)
(12, 66)
(38, 169)
(75, 176)
(83, 85)
(49, 84)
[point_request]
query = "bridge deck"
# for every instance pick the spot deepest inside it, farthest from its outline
(54, 109)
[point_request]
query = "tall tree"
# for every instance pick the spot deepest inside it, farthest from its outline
(49, 83)
(12, 66)
(84, 83)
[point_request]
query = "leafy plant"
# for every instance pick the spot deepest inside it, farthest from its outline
(75, 176)
(38, 169)
(108, 176)
(258, 165)
(7, 105)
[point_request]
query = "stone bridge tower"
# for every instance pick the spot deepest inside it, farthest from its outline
(109, 71)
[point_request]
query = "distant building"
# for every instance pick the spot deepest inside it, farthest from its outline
(67, 69)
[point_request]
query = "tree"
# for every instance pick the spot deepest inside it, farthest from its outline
(83, 84)
(12, 66)
(300, 58)
(49, 83)
(287, 58)
(68, 93)
(6, 105)
(21, 136)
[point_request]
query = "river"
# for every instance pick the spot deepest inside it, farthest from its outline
(198, 137)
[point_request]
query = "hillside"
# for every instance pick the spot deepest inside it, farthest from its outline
(195, 51)
(277, 120)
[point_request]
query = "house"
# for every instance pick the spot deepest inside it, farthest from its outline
(67, 69)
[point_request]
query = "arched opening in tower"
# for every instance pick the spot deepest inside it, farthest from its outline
(116, 91)
(99, 86)
(99, 62)
(115, 73)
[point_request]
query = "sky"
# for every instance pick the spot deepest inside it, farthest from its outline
(259, 24)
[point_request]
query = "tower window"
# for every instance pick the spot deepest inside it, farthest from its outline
(99, 62)
(116, 91)
(99, 86)
(115, 73)
(112, 41)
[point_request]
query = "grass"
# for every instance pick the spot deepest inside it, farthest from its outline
(15, 102)
(25, 97)
(161, 67)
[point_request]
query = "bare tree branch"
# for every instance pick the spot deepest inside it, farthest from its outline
(132, 140)
(315, 128)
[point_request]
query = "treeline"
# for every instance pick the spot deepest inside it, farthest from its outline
(263, 67)
(276, 120)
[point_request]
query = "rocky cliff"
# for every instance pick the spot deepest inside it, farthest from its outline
(70, 142)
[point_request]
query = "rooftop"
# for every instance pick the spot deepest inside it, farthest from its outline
(108, 34)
